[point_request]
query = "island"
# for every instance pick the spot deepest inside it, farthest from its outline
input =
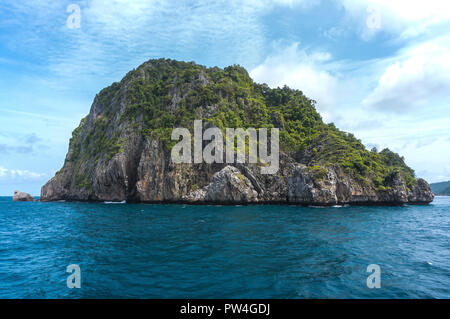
(22, 197)
(441, 189)
(121, 151)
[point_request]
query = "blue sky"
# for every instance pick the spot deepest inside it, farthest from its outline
(378, 69)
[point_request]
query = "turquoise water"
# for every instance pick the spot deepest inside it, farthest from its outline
(176, 251)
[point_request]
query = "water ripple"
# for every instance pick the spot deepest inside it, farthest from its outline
(182, 251)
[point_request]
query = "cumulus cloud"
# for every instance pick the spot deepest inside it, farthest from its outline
(17, 174)
(302, 70)
(417, 76)
(405, 18)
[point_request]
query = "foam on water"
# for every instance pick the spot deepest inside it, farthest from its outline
(122, 202)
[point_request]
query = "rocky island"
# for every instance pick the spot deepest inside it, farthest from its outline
(22, 197)
(122, 149)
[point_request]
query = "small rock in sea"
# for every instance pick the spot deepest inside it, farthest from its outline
(22, 197)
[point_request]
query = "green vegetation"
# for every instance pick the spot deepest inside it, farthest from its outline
(163, 94)
(317, 171)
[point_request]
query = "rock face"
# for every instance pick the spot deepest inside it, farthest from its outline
(22, 197)
(120, 152)
(227, 186)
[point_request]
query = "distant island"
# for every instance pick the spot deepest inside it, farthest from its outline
(122, 149)
(442, 189)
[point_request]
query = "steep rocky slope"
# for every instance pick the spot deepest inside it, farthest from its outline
(122, 149)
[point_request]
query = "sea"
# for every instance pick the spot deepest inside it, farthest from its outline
(263, 251)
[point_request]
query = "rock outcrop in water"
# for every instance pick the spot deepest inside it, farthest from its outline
(121, 150)
(22, 197)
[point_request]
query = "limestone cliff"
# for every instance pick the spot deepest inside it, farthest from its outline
(121, 150)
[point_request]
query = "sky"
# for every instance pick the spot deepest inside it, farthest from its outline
(378, 69)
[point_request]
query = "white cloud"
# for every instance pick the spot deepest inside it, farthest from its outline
(3, 172)
(123, 34)
(17, 174)
(304, 71)
(172, 29)
(429, 158)
(417, 77)
(407, 18)
(265, 4)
